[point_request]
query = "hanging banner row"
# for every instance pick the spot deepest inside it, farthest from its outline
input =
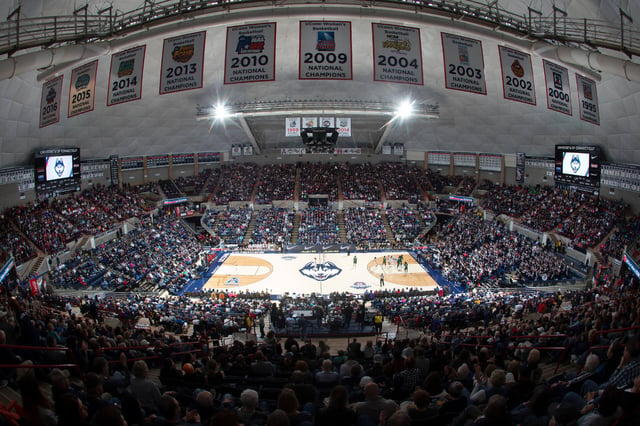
(325, 54)
(294, 126)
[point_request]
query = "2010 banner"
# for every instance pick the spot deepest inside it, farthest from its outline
(463, 64)
(82, 90)
(125, 76)
(50, 102)
(182, 63)
(325, 50)
(397, 54)
(251, 53)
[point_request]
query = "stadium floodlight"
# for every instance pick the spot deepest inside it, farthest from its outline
(404, 110)
(221, 112)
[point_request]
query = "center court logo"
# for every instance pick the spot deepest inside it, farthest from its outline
(320, 271)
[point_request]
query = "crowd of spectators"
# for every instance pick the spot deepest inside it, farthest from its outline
(229, 224)
(318, 225)
(235, 183)
(404, 224)
(319, 178)
(273, 226)
(625, 233)
(552, 208)
(170, 189)
(276, 182)
(193, 185)
(360, 182)
(14, 243)
(364, 224)
(398, 183)
(471, 251)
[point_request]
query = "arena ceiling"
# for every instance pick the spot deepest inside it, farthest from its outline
(453, 121)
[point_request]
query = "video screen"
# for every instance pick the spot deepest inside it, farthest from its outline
(576, 163)
(59, 167)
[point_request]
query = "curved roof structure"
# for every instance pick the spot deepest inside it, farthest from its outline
(449, 120)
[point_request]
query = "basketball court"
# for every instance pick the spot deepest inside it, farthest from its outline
(306, 273)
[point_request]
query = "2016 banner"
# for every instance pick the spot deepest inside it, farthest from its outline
(182, 63)
(251, 53)
(292, 127)
(397, 54)
(50, 102)
(463, 64)
(517, 75)
(82, 89)
(125, 76)
(325, 50)
(588, 99)
(558, 91)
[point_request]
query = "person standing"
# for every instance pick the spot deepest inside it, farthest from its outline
(382, 279)
(261, 326)
(377, 322)
(355, 261)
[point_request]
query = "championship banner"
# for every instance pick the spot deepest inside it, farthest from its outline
(558, 91)
(588, 100)
(182, 63)
(292, 151)
(347, 151)
(308, 122)
(325, 50)
(517, 76)
(82, 89)
(397, 54)
(125, 76)
(292, 127)
(463, 64)
(251, 53)
(327, 122)
(343, 126)
(236, 150)
(50, 102)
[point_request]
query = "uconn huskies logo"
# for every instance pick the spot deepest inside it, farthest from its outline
(59, 167)
(575, 164)
(320, 271)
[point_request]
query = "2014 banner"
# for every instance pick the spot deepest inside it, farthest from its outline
(50, 102)
(588, 100)
(325, 50)
(397, 54)
(517, 75)
(251, 53)
(463, 64)
(556, 78)
(82, 90)
(125, 76)
(182, 63)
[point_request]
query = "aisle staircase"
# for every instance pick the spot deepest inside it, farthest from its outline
(387, 228)
(296, 228)
(251, 226)
(342, 227)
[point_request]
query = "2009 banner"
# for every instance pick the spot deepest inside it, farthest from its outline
(82, 91)
(325, 50)
(251, 53)
(517, 75)
(125, 76)
(463, 64)
(50, 102)
(182, 63)
(397, 54)
(558, 90)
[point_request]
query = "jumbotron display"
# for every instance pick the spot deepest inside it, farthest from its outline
(578, 166)
(57, 170)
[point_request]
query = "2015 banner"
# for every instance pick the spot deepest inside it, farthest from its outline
(588, 99)
(463, 64)
(182, 63)
(556, 78)
(251, 53)
(517, 75)
(325, 50)
(82, 90)
(50, 102)
(397, 54)
(125, 76)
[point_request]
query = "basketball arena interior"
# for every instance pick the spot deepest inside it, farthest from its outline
(317, 212)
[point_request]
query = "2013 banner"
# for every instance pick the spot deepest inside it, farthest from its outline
(517, 75)
(125, 76)
(50, 102)
(558, 91)
(251, 53)
(182, 63)
(325, 50)
(82, 90)
(397, 54)
(463, 64)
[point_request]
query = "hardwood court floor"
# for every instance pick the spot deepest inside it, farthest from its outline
(306, 273)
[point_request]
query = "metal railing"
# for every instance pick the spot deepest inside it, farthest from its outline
(18, 33)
